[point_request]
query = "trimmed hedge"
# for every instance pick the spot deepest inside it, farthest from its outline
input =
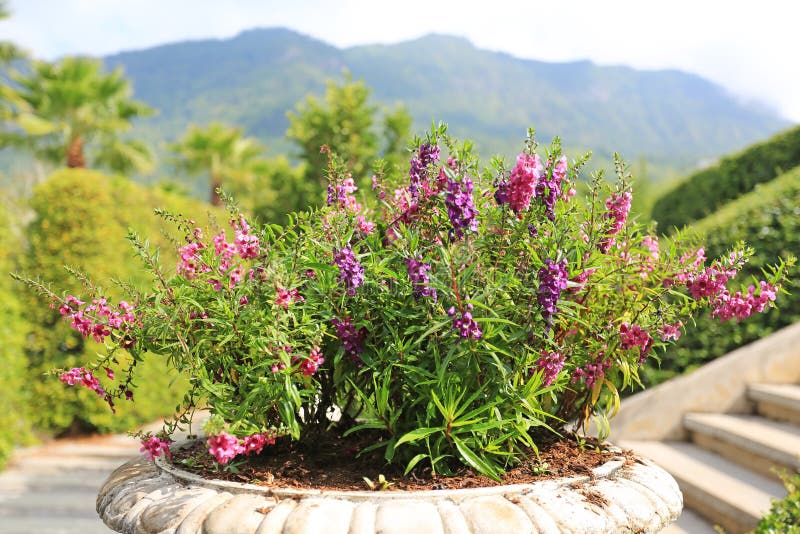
(705, 191)
(768, 219)
(81, 220)
(15, 427)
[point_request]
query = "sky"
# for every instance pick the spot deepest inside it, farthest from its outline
(748, 47)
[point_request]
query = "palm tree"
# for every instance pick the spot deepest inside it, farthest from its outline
(222, 153)
(62, 109)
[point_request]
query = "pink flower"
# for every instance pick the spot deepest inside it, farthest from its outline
(671, 332)
(287, 296)
(255, 444)
(153, 446)
(635, 336)
(311, 364)
(224, 447)
(617, 206)
(550, 363)
(523, 180)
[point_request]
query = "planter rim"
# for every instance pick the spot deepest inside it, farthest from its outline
(607, 469)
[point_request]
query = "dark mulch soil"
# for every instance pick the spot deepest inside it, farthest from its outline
(337, 466)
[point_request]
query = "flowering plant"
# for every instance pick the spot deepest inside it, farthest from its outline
(466, 316)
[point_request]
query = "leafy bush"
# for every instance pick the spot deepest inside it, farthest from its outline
(80, 216)
(469, 319)
(15, 426)
(769, 219)
(784, 516)
(705, 191)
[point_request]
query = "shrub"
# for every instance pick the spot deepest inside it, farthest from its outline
(79, 216)
(769, 218)
(784, 516)
(705, 191)
(15, 428)
(464, 323)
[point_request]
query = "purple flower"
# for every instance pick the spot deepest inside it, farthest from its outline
(552, 281)
(550, 363)
(418, 272)
(427, 155)
(352, 340)
(465, 324)
(460, 209)
(351, 272)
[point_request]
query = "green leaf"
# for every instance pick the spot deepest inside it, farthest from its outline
(418, 434)
(475, 461)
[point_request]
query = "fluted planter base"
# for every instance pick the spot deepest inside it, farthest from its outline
(142, 496)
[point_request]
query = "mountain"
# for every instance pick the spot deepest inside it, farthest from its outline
(671, 118)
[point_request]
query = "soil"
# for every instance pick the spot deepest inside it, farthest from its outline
(338, 466)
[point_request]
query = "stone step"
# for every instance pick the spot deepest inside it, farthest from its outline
(690, 523)
(754, 442)
(777, 401)
(721, 491)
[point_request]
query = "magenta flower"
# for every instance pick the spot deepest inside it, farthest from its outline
(154, 446)
(224, 447)
(523, 181)
(351, 273)
(550, 364)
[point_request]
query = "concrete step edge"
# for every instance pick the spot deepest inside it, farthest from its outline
(786, 395)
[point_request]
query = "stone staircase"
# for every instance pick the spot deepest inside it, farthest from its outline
(725, 469)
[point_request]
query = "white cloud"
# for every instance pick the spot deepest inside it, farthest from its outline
(745, 46)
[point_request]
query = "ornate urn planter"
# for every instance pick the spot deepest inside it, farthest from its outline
(144, 497)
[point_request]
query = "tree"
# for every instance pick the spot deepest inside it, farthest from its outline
(8, 50)
(344, 120)
(60, 110)
(223, 154)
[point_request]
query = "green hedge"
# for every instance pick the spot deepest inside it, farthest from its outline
(784, 516)
(81, 220)
(768, 219)
(705, 191)
(15, 421)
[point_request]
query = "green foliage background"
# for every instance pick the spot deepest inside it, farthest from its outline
(81, 219)
(705, 191)
(768, 219)
(15, 410)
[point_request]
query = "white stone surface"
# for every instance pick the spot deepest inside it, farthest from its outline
(635, 497)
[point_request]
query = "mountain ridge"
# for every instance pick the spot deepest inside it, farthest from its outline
(668, 116)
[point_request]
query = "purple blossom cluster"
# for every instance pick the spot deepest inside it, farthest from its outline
(351, 272)
(552, 281)
(425, 157)
(154, 446)
(635, 336)
(591, 372)
(548, 188)
(617, 206)
(420, 279)
(464, 323)
(460, 208)
(550, 364)
(224, 447)
(352, 339)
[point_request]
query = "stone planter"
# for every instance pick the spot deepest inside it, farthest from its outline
(141, 496)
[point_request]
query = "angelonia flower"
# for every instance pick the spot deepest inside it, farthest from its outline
(617, 206)
(464, 323)
(671, 332)
(522, 183)
(418, 173)
(460, 208)
(310, 365)
(635, 336)
(351, 272)
(247, 245)
(550, 364)
(552, 281)
(580, 280)
(548, 188)
(224, 447)
(189, 263)
(352, 340)
(154, 446)
(418, 272)
(739, 306)
(105, 318)
(287, 296)
(711, 282)
(591, 372)
(342, 195)
(364, 225)
(501, 191)
(83, 377)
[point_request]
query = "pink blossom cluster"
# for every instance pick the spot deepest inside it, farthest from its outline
(710, 282)
(287, 296)
(190, 264)
(309, 366)
(83, 377)
(580, 280)
(523, 181)
(97, 319)
(224, 447)
(591, 372)
(617, 206)
(154, 446)
(671, 332)
(342, 195)
(740, 307)
(635, 336)
(550, 363)
(247, 244)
